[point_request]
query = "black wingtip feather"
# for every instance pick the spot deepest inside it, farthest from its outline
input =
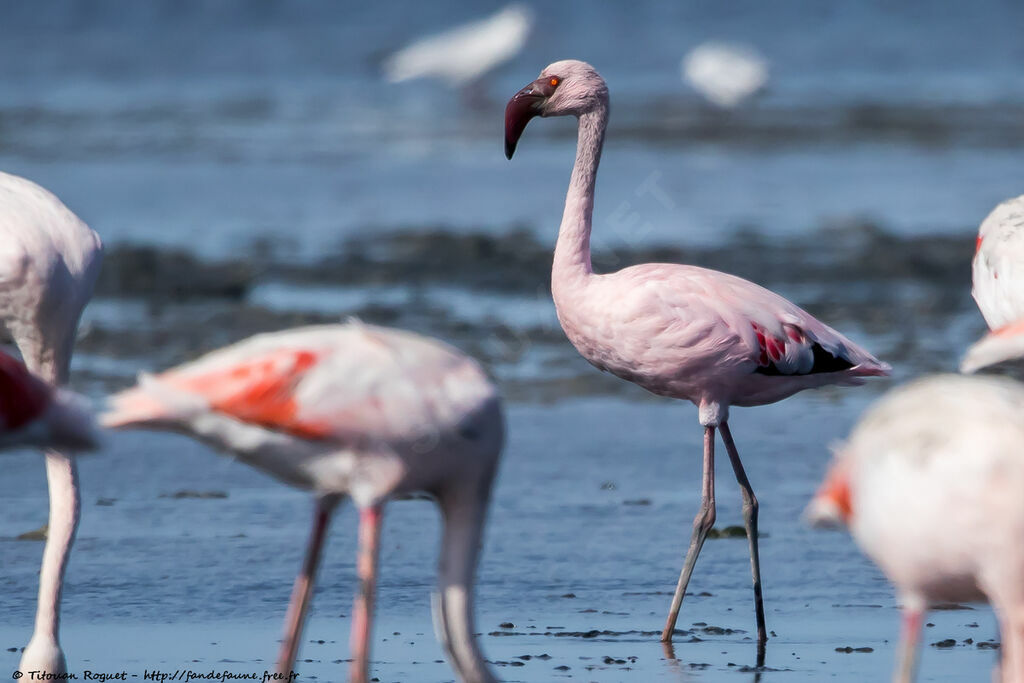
(823, 362)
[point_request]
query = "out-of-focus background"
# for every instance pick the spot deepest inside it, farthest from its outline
(252, 166)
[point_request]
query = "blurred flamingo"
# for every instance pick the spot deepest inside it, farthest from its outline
(349, 410)
(929, 484)
(998, 268)
(463, 54)
(678, 331)
(49, 260)
(725, 73)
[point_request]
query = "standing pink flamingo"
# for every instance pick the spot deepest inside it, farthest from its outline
(358, 411)
(49, 260)
(33, 413)
(998, 267)
(929, 484)
(678, 331)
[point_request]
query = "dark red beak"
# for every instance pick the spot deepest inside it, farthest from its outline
(521, 108)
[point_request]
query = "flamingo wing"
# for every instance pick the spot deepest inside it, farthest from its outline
(752, 326)
(347, 383)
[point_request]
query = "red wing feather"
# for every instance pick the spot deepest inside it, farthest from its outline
(259, 390)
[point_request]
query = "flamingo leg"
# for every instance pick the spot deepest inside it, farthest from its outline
(370, 519)
(909, 642)
(750, 508)
(702, 524)
(1010, 668)
(303, 589)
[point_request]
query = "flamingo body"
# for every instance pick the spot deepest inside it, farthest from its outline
(49, 262)
(705, 336)
(998, 266)
(929, 484)
(349, 410)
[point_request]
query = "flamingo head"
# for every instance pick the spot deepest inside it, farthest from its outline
(568, 87)
(832, 505)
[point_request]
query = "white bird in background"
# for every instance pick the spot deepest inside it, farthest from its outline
(33, 413)
(49, 261)
(358, 411)
(725, 73)
(998, 267)
(930, 484)
(463, 54)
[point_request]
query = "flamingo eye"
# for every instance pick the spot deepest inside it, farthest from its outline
(553, 81)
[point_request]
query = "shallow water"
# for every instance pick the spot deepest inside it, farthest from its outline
(278, 181)
(602, 512)
(910, 117)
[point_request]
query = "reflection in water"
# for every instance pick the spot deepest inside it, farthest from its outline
(676, 665)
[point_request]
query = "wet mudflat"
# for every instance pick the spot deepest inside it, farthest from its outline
(586, 539)
(241, 187)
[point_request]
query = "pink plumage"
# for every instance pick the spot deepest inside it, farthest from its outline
(49, 261)
(352, 411)
(678, 331)
(929, 483)
(998, 266)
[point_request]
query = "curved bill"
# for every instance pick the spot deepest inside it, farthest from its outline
(523, 106)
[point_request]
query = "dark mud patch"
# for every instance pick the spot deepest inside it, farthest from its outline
(40, 534)
(841, 251)
(139, 271)
(189, 494)
(905, 290)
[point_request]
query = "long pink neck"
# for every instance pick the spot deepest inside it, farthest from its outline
(572, 252)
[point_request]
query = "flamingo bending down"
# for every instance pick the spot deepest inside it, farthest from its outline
(32, 413)
(998, 267)
(49, 260)
(358, 411)
(677, 331)
(929, 483)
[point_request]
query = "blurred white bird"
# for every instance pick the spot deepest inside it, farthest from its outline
(463, 54)
(998, 268)
(929, 484)
(725, 73)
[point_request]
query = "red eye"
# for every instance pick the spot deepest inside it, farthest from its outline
(553, 82)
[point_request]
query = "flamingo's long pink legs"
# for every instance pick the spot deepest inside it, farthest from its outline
(303, 589)
(750, 522)
(909, 642)
(370, 519)
(702, 524)
(1010, 613)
